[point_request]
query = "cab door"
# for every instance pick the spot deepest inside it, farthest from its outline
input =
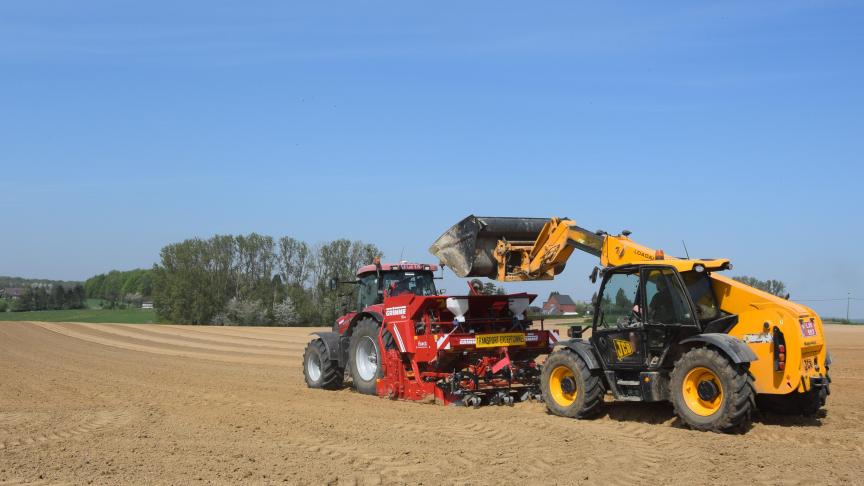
(668, 314)
(619, 332)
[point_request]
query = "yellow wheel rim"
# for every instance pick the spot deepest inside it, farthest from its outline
(562, 386)
(711, 397)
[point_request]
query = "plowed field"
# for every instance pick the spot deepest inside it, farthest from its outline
(145, 404)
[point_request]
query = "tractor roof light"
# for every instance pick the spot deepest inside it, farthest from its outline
(698, 268)
(659, 255)
(458, 306)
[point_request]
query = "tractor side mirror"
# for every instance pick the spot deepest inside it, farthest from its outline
(594, 273)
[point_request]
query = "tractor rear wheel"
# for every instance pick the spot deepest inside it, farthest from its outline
(569, 388)
(319, 370)
(709, 392)
(365, 356)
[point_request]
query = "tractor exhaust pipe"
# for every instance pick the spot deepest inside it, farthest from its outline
(468, 247)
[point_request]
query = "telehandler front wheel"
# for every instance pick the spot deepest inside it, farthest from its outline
(318, 369)
(569, 388)
(709, 392)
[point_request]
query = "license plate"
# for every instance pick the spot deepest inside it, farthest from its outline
(503, 339)
(808, 328)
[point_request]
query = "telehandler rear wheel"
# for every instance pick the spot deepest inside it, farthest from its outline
(319, 370)
(709, 392)
(569, 388)
(365, 355)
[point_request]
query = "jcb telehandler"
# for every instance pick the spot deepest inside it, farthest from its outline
(663, 328)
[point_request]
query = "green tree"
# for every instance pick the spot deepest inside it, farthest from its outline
(285, 314)
(774, 287)
(489, 288)
(245, 280)
(57, 300)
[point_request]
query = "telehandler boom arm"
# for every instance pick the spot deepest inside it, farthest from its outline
(519, 249)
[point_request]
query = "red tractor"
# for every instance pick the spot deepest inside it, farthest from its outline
(408, 342)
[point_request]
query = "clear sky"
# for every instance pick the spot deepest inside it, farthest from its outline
(736, 126)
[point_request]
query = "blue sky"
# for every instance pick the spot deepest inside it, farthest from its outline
(734, 126)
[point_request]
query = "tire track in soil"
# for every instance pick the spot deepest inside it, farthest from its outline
(365, 467)
(250, 358)
(175, 341)
(37, 482)
(214, 338)
(243, 334)
(646, 450)
(100, 420)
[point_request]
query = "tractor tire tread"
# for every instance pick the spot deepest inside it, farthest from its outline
(365, 327)
(593, 390)
(737, 408)
(331, 374)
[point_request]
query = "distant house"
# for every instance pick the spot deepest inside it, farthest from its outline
(12, 293)
(559, 303)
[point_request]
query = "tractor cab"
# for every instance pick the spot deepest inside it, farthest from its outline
(641, 310)
(377, 281)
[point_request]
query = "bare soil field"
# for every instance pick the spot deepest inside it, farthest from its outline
(153, 404)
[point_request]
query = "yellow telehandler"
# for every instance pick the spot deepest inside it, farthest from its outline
(663, 328)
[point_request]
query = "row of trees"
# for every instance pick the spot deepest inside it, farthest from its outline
(774, 287)
(13, 282)
(56, 297)
(254, 280)
(117, 288)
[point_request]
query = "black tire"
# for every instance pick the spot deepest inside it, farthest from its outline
(729, 384)
(319, 370)
(365, 331)
(569, 388)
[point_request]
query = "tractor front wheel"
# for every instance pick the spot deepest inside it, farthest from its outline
(709, 392)
(569, 388)
(319, 370)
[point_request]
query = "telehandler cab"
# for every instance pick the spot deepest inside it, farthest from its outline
(663, 328)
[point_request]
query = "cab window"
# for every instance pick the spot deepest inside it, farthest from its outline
(417, 283)
(619, 302)
(666, 299)
(367, 292)
(702, 294)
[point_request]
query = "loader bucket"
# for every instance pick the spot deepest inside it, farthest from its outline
(467, 248)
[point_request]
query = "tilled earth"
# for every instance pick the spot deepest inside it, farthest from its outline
(144, 404)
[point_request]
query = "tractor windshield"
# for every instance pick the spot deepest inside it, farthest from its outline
(372, 292)
(417, 283)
